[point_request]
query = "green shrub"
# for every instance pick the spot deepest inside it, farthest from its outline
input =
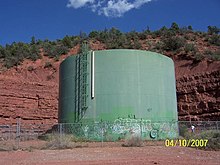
(174, 27)
(189, 47)
(154, 35)
(56, 58)
(113, 39)
(2, 52)
(66, 41)
(34, 53)
(159, 45)
(199, 57)
(48, 65)
(214, 55)
(142, 36)
(214, 40)
(11, 61)
(190, 28)
(213, 30)
(173, 43)
(30, 68)
(183, 130)
(183, 30)
(52, 49)
(164, 31)
(136, 44)
(94, 34)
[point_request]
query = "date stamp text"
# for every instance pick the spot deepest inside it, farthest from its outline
(186, 142)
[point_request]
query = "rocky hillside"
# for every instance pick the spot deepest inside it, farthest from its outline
(29, 90)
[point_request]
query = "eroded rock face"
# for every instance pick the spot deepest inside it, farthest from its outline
(199, 96)
(29, 92)
(33, 102)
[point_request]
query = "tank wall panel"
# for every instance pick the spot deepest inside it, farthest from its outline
(129, 85)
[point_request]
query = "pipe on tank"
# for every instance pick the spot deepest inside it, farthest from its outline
(93, 75)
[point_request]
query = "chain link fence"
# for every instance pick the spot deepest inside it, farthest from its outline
(21, 134)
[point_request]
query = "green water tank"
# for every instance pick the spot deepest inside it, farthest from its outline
(118, 86)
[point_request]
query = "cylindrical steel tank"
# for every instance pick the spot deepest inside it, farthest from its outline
(119, 86)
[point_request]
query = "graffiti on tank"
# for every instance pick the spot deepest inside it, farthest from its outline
(146, 125)
(140, 126)
(128, 126)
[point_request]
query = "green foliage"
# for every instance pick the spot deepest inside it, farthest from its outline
(174, 27)
(94, 34)
(173, 43)
(137, 44)
(143, 35)
(48, 65)
(30, 68)
(214, 40)
(67, 42)
(82, 36)
(170, 39)
(114, 39)
(158, 46)
(190, 37)
(53, 50)
(164, 32)
(183, 30)
(2, 52)
(190, 28)
(214, 55)
(213, 30)
(34, 52)
(33, 41)
(15, 53)
(183, 130)
(190, 47)
(199, 57)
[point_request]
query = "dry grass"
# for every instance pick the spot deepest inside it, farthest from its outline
(56, 142)
(59, 142)
(134, 141)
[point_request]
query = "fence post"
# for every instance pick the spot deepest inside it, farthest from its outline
(10, 132)
(60, 129)
(18, 132)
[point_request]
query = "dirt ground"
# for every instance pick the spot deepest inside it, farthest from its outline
(112, 153)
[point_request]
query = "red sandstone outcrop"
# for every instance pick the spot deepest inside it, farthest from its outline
(199, 96)
(33, 102)
(29, 92)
